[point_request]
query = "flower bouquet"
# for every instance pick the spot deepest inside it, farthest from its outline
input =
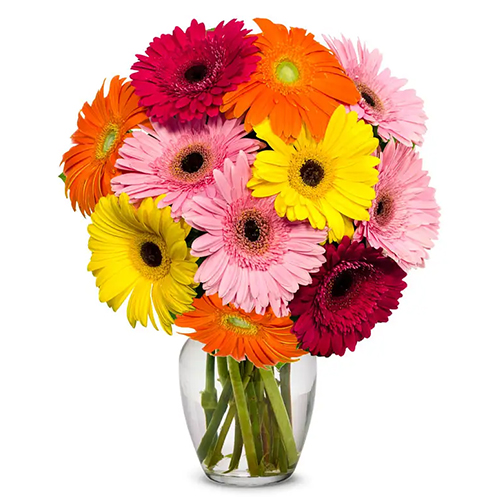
(264, 194)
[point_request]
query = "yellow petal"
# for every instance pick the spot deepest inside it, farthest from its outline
(301, 212)
(272, 158)
(264, 131)
(178, 251)
(139, 303)
(267, 189)
(280, 205)
(347, 207)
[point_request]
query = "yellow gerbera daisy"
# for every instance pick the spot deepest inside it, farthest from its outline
(329, 182)
(141, 251)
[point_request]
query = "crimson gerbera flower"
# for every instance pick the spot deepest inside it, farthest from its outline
(187, 73)
(356, 288)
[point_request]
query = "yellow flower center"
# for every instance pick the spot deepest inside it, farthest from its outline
(287, 72)
(149, 254)
(239, 325)
(107, 140)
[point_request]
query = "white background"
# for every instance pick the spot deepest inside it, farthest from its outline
(90, 408)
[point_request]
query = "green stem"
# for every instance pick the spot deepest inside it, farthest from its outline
(215, 454)
(237, 447)
(217, 451)
(222, 369)
(282, 459)
(266, 432)
(211, 431)
(243, 415)
(285, 389)
(254, 418)
(209, 395)
(280, 412)
(275, 443)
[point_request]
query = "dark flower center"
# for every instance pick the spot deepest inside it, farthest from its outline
(151, 254)
(342, 283)
(312, 173)
(384, 210)
(192, 162)
(196, 73)
(380, 207)
(368, 99)
(252, 230)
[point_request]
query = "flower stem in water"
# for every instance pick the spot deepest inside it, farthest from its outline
(243, 415)
(281, 414)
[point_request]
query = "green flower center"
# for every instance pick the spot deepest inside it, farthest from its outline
(239, 322)
(287, 72)
(109, 141)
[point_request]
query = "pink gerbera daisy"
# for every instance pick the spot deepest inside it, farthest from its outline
(397, 113)
(187, 73)
(255, 258)
(404, 216)
(356, 288)
(179, 160)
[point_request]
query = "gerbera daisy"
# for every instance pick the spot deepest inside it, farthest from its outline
(254, 257)
(179, 160)
(328, 182)
(404, 217)
(355, 289)
(397, 113)
(187, 73)
(265, 340)
(141, 251)
(103, 125)
(297, 80)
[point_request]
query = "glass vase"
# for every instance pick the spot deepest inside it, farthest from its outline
(248, 424)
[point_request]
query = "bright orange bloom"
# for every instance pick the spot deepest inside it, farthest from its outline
(103, 125)
(297, 80)
(265, 340)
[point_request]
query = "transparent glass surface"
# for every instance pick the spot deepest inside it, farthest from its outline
(248, 425)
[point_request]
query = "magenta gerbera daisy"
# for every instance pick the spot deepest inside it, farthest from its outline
(255, 258)
(356, 288)
(396, 112)
(187, 73)
(404, 216)
(179, 159)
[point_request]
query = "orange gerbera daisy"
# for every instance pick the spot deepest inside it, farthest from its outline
(265, 340)
(297, 80)
(103, 125)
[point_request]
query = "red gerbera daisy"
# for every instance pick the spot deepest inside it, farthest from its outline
(187, 73)
(356, 288)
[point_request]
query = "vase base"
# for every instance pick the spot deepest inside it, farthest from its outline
(247, 481)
